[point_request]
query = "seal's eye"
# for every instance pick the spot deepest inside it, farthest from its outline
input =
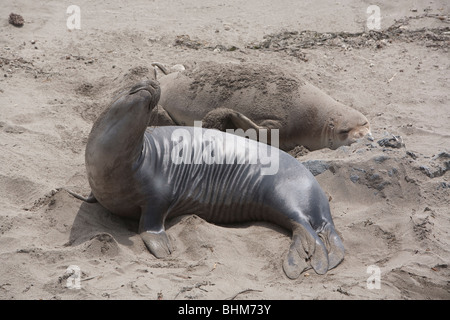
(344, 131)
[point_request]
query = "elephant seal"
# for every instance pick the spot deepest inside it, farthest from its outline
(154, 174)
(258, 96)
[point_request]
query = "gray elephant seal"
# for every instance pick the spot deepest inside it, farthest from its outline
(259, 96)
(157, 174)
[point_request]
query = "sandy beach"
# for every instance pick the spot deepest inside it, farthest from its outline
(390, 204)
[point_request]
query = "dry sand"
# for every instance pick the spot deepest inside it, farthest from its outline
(391, 205)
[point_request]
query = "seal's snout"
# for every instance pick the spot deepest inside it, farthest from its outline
(369, 136)
(360, 133)
(151, 86)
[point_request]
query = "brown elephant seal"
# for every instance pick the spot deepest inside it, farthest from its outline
(156, 174)
(259, 96)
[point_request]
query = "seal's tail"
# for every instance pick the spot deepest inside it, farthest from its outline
(90, 199)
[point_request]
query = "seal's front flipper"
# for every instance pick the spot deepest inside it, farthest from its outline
(220, 119)
(224, 118)
(245, 123)
(157, 243)
(306, 250)
(151, 230)
(90, 199)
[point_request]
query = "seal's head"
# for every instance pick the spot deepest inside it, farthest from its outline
(138, 101)
(346, 127)
(120, 128)
(129, 112)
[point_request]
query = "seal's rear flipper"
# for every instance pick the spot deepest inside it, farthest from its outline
(334, 245)
(307, 250)
(90, 199)
(295, 262)
(157, 243)
(161, 67)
